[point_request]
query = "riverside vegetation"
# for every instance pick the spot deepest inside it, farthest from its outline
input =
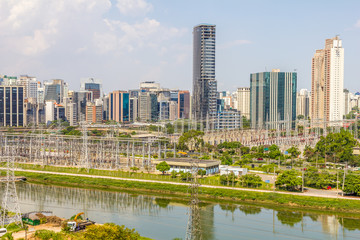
(211, 194)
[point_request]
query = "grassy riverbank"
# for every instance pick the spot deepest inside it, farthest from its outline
(219, 195)
(208, 180)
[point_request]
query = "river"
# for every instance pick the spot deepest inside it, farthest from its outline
(160, 218)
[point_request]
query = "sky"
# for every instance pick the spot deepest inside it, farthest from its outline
(125, 42)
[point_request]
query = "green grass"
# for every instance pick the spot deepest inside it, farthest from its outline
(270, 199)
(211, 180)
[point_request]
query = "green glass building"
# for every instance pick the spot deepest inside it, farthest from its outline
(272, 99)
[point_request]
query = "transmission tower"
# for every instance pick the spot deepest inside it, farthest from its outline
(10, 202)
(193, 231)
(84, 158)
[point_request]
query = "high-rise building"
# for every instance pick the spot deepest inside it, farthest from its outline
(303, 103)
(134, 109)
(228, 119)
(148, 107)
(173, 110)
(183, 100)
(327, 82)
(54, 112)
(272, 98)
(347, 107)
(12, 106)
(94, 113)
(149, 86)
(93, 85)
(30, 86)
(55, 90)
(164, 110)
(119, 106)
(81, 99)
(204, 83)
(243, 101)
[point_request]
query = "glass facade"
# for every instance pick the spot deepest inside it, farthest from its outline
(204, 83)
(111, 106)
(53, 92)
(126, 107)
(154, 107)
(7, 106)
(272, 98)
(2, 106)
(95, 88)
(11, 106)
(21, 106)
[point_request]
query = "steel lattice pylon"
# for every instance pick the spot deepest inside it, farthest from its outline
(193, 230)
(84, 158)
(10, 209)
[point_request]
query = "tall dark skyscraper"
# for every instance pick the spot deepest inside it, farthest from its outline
(204, 83)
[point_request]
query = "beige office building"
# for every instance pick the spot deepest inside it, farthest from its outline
(243, 101)
(327, 85)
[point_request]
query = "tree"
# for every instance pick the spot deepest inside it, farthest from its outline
(226, 159)
(294, 152)
(163, 167)
(134, 169)
(250, 180)
(338, 145)
(300, 117)
(110, 231)
(245, 122)
(228, 178)
(186, 176)
(170, 129)
(289, 179)
(309, 152)
(174, 174)
(314, 178)
(352, 184)
(191, 140)
(202, 172)
(274, 152)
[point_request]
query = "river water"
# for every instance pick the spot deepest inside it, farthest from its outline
(157, 217)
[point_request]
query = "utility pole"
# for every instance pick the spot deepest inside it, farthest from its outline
(302, 186)
(343, 183)
(84, 158)
(274, 180)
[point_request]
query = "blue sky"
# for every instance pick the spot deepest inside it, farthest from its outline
(125, 42)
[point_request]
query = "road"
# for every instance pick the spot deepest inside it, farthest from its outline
(312, 192)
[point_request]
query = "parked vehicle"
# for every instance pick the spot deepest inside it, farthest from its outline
(78, 225)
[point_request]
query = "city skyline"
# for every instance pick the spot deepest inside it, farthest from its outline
(151, 40)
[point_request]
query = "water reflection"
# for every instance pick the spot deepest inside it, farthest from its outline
(289, 218)
(161, 217)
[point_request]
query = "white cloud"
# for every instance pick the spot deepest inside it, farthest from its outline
(125, 36)
(70, 39)
(32, 27)
(133, 7)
